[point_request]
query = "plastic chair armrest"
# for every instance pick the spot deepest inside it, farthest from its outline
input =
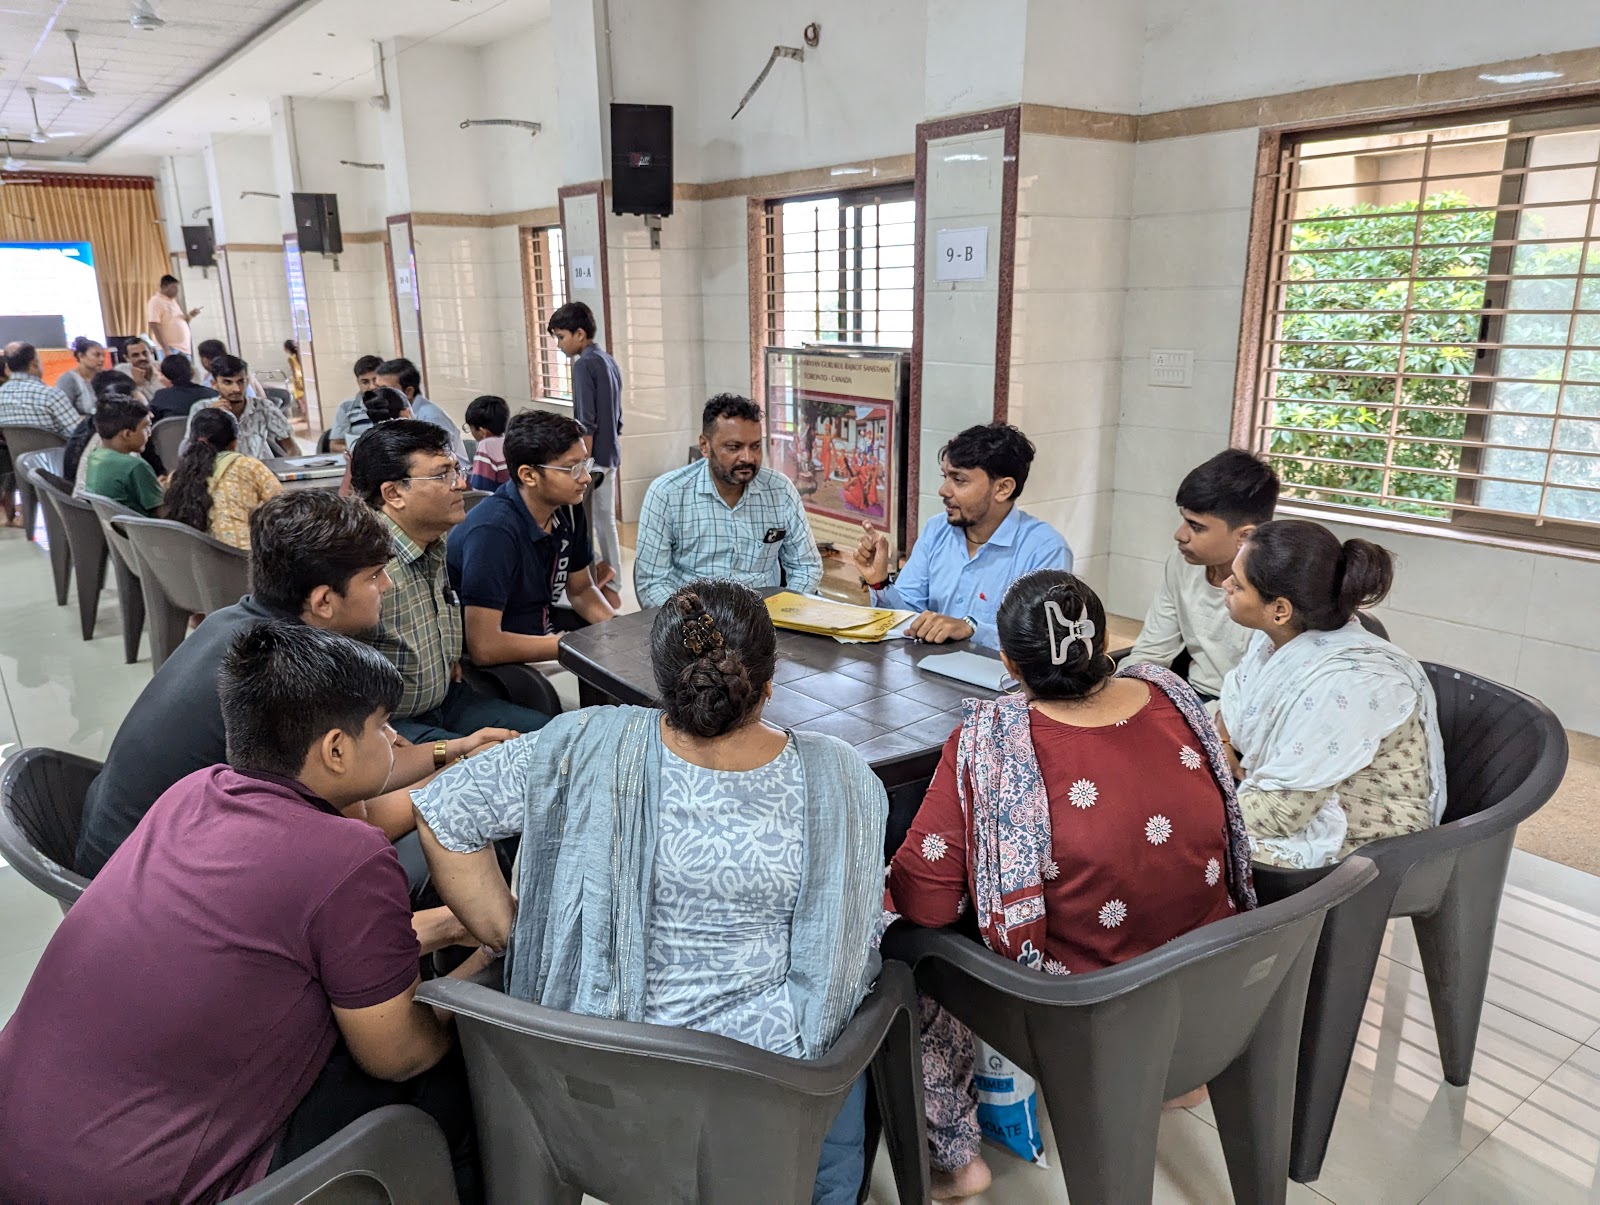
(400, 1146)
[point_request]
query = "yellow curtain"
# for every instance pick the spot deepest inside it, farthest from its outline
(115, 214)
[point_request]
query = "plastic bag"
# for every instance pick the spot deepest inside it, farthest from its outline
(1008, 1104)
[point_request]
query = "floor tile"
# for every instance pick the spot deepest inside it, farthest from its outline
(27, 915)
(1547, 1151)
(15, 970)
(1401, 1129)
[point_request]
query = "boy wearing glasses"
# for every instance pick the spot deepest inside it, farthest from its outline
(519, 548)
(406, 471)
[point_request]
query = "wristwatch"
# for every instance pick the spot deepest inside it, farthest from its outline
(441, 754)
(971, 623)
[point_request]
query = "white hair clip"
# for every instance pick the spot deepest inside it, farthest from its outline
(1064, 632)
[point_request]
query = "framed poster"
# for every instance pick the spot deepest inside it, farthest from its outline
(834, 419)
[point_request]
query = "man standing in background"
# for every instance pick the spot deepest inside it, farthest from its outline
(597, 405)
(168, 323)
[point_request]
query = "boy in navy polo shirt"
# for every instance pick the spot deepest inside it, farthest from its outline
(516, 550)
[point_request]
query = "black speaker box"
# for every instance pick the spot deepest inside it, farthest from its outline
(200, 245)
(641, 159)
(316, 222)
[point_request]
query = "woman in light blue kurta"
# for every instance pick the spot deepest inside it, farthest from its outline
(691, 866)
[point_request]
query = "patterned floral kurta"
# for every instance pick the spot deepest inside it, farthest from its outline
(238, 485)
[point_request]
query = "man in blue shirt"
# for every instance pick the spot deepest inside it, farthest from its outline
(515, 551)
(967, 558)
(350, 419)
(402, 374)
(724, 515)
(597, 405)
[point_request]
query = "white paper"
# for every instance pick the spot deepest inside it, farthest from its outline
(971, 668)
(583, 272)
(962, 254)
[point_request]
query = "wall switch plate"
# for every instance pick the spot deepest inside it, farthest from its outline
(1172, 369)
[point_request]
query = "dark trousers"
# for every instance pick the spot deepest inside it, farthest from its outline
(463, 712)
(344, 1092)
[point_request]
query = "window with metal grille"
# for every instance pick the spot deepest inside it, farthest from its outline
(841, 269)
(544, 266)
(1431, 323)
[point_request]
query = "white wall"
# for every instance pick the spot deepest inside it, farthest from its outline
(1198, 53)
(519, 81)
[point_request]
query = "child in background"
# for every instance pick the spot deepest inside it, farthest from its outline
(487, 417)
(115, 469)
(1221, 502)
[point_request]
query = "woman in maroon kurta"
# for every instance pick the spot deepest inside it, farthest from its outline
(1088, 821)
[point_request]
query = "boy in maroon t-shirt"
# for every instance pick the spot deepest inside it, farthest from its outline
(236, 984)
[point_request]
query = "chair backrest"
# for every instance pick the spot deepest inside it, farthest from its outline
(105, 510)
(22, 439)
(280, 397)
(641, 1113)
(322, 442)
(47, 460)
(1195, 1001)
(51, 484)
(1505, 754)
(473, 497)
(195, 571)
(41, 812)
(166, 437)
(395, 1155)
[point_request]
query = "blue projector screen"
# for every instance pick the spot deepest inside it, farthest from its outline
(48, 280)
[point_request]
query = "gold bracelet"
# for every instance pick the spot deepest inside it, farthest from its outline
(441, 754)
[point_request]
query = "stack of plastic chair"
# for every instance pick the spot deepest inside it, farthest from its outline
(28, 467)
(125, 567)
(85, 540)
(20, 439)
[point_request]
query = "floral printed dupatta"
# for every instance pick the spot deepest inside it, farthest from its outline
(1007, 812)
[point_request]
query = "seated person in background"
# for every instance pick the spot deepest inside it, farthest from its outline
(960, 568)
(515, 552)
(317, 559)
(1220, 504)
(487, 417)
(115, 469)
(264, 431)
(402, 374)
(90, 359)
(340, 438)
(1134, 839)
(26, 401)
(215, 489)
(766, 864)
(83, 439)
(236, 985)
(139, 366)
(405, 472)
(208, 353)
(181, 392)
(1333, 731)
(724, 515)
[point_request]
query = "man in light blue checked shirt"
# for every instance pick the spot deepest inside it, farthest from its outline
(724, 515)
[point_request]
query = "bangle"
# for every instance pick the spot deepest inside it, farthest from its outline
(883, 585)
(441, 754)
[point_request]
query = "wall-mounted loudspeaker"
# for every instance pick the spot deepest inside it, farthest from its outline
(200, 245)
(316, 222)
(641, 159)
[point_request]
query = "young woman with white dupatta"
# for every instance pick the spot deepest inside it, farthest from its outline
(1332, 730)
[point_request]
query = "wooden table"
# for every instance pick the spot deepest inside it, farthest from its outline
(871, 695)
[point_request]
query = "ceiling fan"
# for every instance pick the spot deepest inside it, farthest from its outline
(39, 134)
(13, 164)
(142, 15)
(77, 87)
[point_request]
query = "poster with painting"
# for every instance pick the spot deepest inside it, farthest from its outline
(833, 429)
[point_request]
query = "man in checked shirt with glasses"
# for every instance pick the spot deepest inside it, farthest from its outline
(724, 515)
(407, 472)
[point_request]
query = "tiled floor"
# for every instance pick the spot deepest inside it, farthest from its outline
(1527, 1129)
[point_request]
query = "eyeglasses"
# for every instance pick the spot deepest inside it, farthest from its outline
(451, 476)
(575, 471)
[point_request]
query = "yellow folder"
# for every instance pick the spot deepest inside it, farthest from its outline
(842, 621)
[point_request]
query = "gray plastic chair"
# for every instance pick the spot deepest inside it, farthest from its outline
(29, 465)
(472, 497)
(280, 397)
(1220, 1006)
(517, 683)
(124, 565)
(182, 572)
(41, 811)
(1505, 755)
(21, 439)
(647, 1114)
(85, 539)
(166, 436)
(395, 1155)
